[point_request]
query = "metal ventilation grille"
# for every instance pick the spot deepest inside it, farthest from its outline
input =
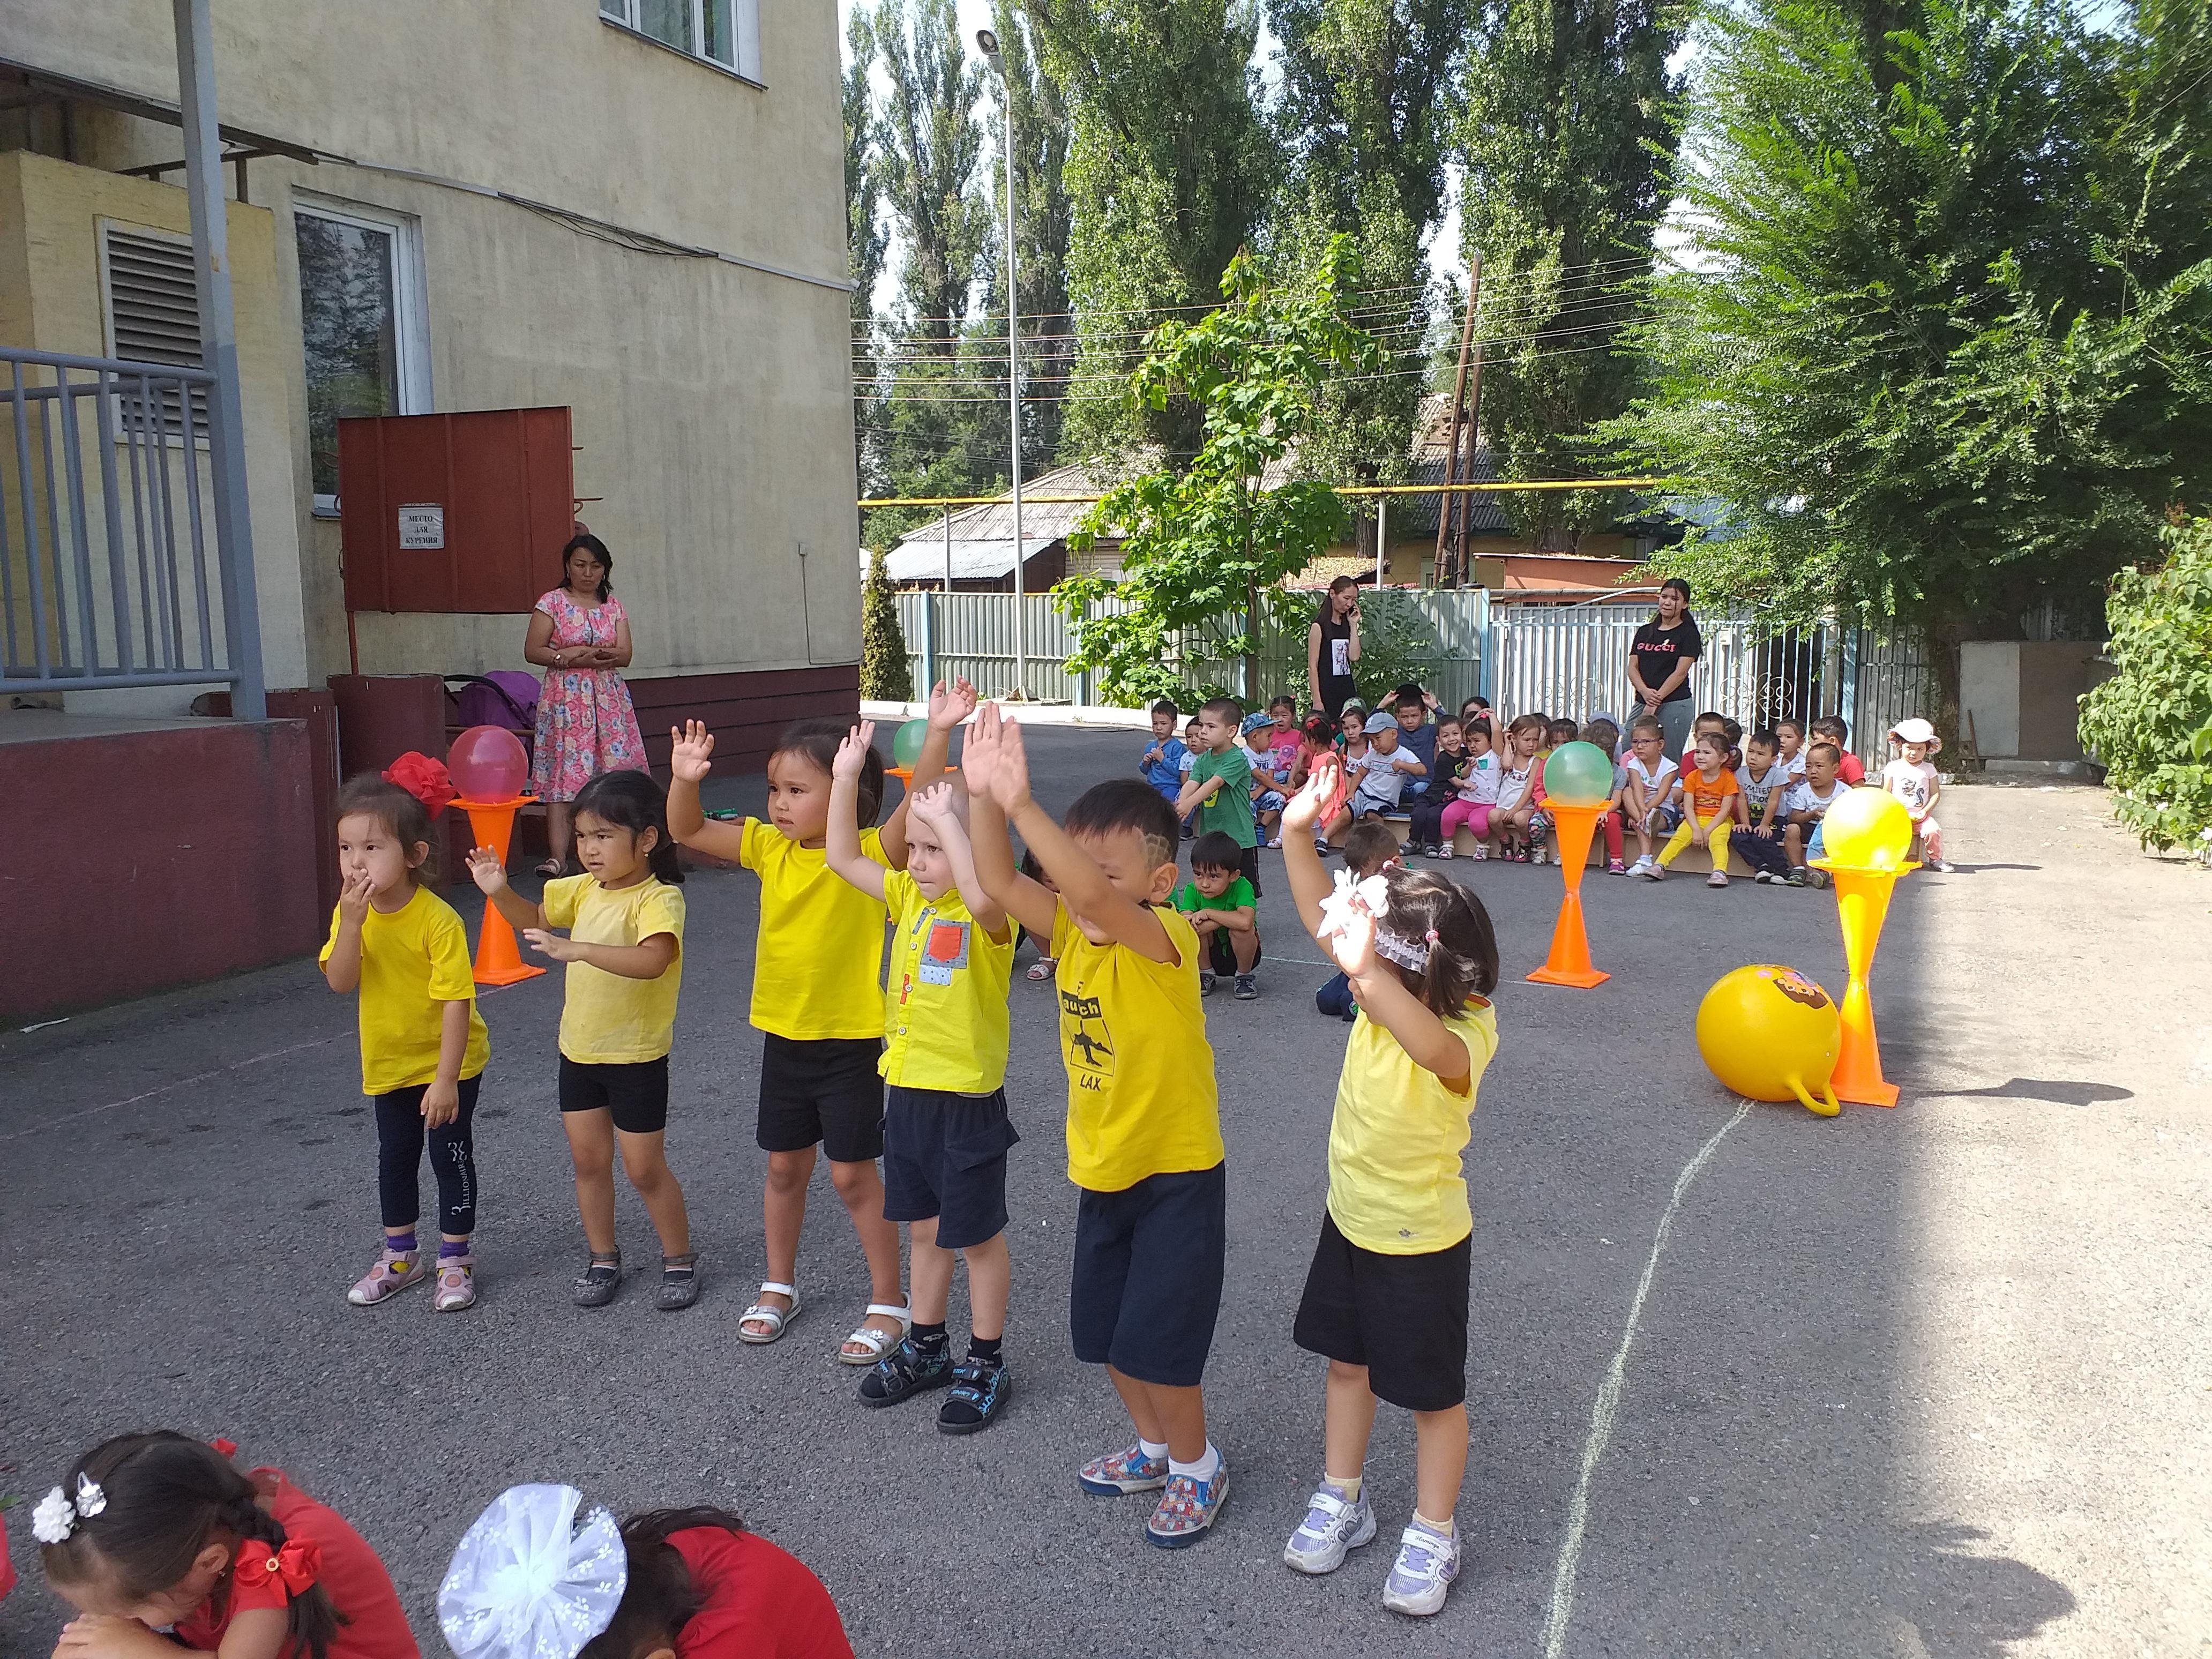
(153, 303)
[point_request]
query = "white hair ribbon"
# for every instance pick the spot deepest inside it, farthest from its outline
(1370, 897)
(527, 1582)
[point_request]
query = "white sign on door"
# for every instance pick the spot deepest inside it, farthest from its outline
(422, 524)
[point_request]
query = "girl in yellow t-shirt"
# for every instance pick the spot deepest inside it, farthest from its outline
(423, 1044)
(817, 998)
(625, 957)
(1386, 1298)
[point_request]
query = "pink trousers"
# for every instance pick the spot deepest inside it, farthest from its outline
(1476, 818)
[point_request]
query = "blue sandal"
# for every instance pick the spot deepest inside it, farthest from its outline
(979, 1393)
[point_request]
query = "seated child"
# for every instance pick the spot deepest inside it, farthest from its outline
(945, 1129)
(1712, 805)
(1193, 746)
(1221, 906)
(1144, 1121)
(1282, 738)
(1711, 721)
(1381, 770)
(1446, 767)
(1647, 796)
(1913, 779)
(1268, 784)
(1517, 825)
(1766, 785)
(1163, 763)
(1475, 708)
(1789, 737)
(1604, 736)
(1352, 723)
(1832, 727)
(690, 1583)
(1557, 733)
(1412, 705)
(1368, 847)
(157, 1529)
(1473, 793)
(1808, 802)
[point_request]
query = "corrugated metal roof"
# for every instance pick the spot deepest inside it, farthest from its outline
(920, 558)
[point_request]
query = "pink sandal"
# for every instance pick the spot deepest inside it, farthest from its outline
(395, 1270)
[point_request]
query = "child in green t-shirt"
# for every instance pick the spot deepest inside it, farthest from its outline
(1223, 911)
(1219, 788)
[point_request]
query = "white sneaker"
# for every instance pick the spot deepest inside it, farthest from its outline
(1333, 1528)
(1422, 1575)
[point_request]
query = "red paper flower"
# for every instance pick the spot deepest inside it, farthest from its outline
(228, 1448)
(425, 778)
(298, 1564)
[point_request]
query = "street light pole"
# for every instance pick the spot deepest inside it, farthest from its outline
(989, 43)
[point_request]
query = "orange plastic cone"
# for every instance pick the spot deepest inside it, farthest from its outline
(499, 961)
(1569, 962)
(1862, 903)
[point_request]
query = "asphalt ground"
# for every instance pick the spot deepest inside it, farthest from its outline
(1933, 1381)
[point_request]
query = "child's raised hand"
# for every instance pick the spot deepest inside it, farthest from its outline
(353, 897)
(553, 945)
(1010, 779)
(690, 746)
(852, 753)
(1352, 944)
(486, 870)
(1305, 810)
(934, 804)
(950, 702)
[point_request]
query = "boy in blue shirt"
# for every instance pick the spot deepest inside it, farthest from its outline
(1162, 763)
(1415, 733)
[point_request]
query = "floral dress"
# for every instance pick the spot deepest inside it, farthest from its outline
(585, 724)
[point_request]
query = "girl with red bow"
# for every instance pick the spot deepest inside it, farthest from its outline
(157, 1531)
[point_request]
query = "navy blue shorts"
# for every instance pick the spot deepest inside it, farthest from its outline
(945, 1156)
(1148, 1270)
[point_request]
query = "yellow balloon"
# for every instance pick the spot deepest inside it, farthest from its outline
(1768, 1032)
(1868, 829)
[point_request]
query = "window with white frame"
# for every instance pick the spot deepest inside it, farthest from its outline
(364, 323)
(725, 31)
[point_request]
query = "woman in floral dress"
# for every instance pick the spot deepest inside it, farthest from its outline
(580, 635)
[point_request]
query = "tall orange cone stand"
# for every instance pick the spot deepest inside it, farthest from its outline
(499, 962)
(1863, 840)
(1569, 962)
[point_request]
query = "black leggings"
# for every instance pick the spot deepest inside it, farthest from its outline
(399, 1137)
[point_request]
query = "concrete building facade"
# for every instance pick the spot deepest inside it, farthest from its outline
(631, 208)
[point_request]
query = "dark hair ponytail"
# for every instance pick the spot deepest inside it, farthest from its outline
(1427, 905)
(598, 549)
(168, 1497)
(634, 801)
(659, 1598)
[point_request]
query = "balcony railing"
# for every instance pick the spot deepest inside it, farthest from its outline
(111, 571)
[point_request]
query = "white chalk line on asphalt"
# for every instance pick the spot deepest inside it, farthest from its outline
(1608, 1403)
(186, 1082)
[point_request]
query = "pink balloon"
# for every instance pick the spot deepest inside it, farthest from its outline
(488, 763)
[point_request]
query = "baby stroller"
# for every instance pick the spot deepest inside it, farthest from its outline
(505, 697)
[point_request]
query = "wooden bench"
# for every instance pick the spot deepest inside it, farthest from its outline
(1691, 861)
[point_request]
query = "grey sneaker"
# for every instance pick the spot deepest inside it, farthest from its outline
(1206, 981)
(1422, 1575)
(596, 1286)
(1248, 987)
(1333, 1527)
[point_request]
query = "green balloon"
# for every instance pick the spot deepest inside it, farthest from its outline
(1578, 775)
(906, 747)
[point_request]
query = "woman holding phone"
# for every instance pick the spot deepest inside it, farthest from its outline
(1333, 646)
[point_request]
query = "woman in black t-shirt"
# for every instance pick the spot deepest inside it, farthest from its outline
(1660, 659)
(1333, 646)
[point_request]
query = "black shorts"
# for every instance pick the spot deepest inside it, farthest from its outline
(825, 1091)
(1221, 952)
(1148, 1269)
(1404, 1317)
(1247, 866)
(636, 1094)
(945, 1156)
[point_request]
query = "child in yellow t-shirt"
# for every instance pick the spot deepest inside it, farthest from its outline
(625, 957)
(1143, 1124)
(817, 999)
(423, 1044)
(1386, 1298)
(945, 1129)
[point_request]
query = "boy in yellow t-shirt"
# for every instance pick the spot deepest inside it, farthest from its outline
(946, 1130)
(1144, 1126)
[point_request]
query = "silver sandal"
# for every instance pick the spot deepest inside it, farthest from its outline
(776, 1319)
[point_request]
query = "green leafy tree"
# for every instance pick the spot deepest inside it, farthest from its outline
(1566, 134)
(1042, 219)
(1366, 117)
(1204, 539)
(865, 237)
(1169, 167)
(885, 673)
(1950, 354)
(2150, 724)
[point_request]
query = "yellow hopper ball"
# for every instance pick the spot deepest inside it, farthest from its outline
(1768, 1032)
(1868, 829)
